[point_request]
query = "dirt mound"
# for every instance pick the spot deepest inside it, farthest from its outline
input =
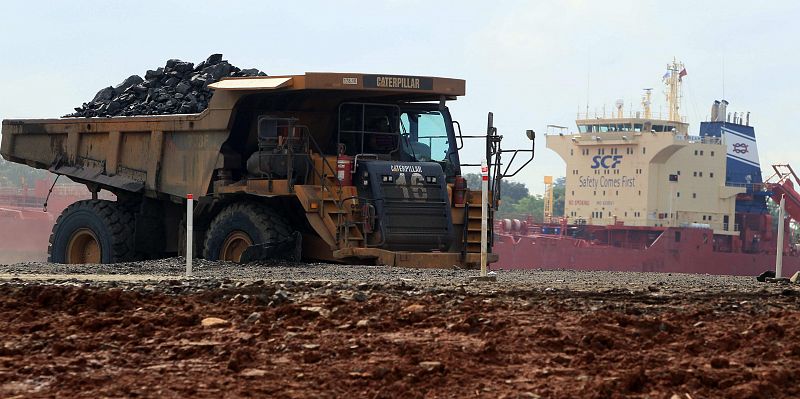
(320, 339)
(177, 88)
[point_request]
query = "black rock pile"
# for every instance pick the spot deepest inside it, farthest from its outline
(178, 88)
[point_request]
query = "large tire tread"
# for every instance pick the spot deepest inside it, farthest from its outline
(272, 227)
(119, 221)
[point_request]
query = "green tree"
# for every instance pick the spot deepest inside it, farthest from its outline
(559, 193)
(532, 205)
(510, 191)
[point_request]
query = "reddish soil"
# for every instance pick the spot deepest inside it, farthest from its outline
(67, 341)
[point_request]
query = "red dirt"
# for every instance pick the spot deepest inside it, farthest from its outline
(69, 341)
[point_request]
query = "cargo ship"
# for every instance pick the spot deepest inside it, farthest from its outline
(25, 224)
(642, 194)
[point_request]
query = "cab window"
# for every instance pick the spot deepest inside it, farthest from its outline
(424, 135)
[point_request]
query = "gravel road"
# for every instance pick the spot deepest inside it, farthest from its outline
(174, 268)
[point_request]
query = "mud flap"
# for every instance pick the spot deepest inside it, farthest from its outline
(289, 249)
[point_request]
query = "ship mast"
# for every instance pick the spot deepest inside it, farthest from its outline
(673, 78)
(646, 103)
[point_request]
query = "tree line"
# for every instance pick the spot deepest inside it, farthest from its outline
(517, 202)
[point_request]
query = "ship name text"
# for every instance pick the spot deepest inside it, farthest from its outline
(609, 182)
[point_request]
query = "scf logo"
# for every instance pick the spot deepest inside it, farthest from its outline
(606, 161)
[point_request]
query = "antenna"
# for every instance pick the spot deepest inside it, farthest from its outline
(723, 75)
(588, 79)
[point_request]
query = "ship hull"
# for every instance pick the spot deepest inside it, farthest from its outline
(692, 254)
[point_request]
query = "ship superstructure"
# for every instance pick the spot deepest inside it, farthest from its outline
(645, 171)
(643, 194)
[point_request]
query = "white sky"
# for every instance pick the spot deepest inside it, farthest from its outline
(526, 61)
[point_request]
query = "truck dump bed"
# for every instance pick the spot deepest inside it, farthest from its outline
(123, 152)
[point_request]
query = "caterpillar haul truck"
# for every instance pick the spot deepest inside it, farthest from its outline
(341, 167)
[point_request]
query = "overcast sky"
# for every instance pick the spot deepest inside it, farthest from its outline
(532, 63)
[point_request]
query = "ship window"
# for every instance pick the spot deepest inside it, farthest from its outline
(644, 150)
(677, 236)
(640, 192)
(658, 128)
(712, 153)
(637, 127)
(711, 174)
(694, 174)
(595, 193)
(604, 193)
(571, 152)
(701, 174)
(679, 193)
(602, 128)
(701, 152)
(679, 173)
(695, 152)
(704, 218)
(617, 192)
(582, 129)
(694, 195)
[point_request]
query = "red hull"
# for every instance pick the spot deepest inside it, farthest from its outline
(692, 254)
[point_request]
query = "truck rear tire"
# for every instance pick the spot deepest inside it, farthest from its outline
(93, 231)
(241, 225)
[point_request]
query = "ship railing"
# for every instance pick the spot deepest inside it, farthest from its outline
(604, 114)
(699, 139)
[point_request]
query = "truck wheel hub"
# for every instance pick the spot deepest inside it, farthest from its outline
(83, 248)
(234, 246)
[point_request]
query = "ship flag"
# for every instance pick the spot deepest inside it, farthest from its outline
(666, 76)
(682, 73)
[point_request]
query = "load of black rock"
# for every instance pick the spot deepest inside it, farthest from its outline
(178, 88)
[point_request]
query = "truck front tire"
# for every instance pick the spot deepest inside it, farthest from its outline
(93, 231)
(241, 225)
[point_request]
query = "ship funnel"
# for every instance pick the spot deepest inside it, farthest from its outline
(723, 111)
(715, 111)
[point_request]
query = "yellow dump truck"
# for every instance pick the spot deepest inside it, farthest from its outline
(342, 167)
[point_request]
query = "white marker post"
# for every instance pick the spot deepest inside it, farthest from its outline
(484, 215)
(189, 233)
(779, 253)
